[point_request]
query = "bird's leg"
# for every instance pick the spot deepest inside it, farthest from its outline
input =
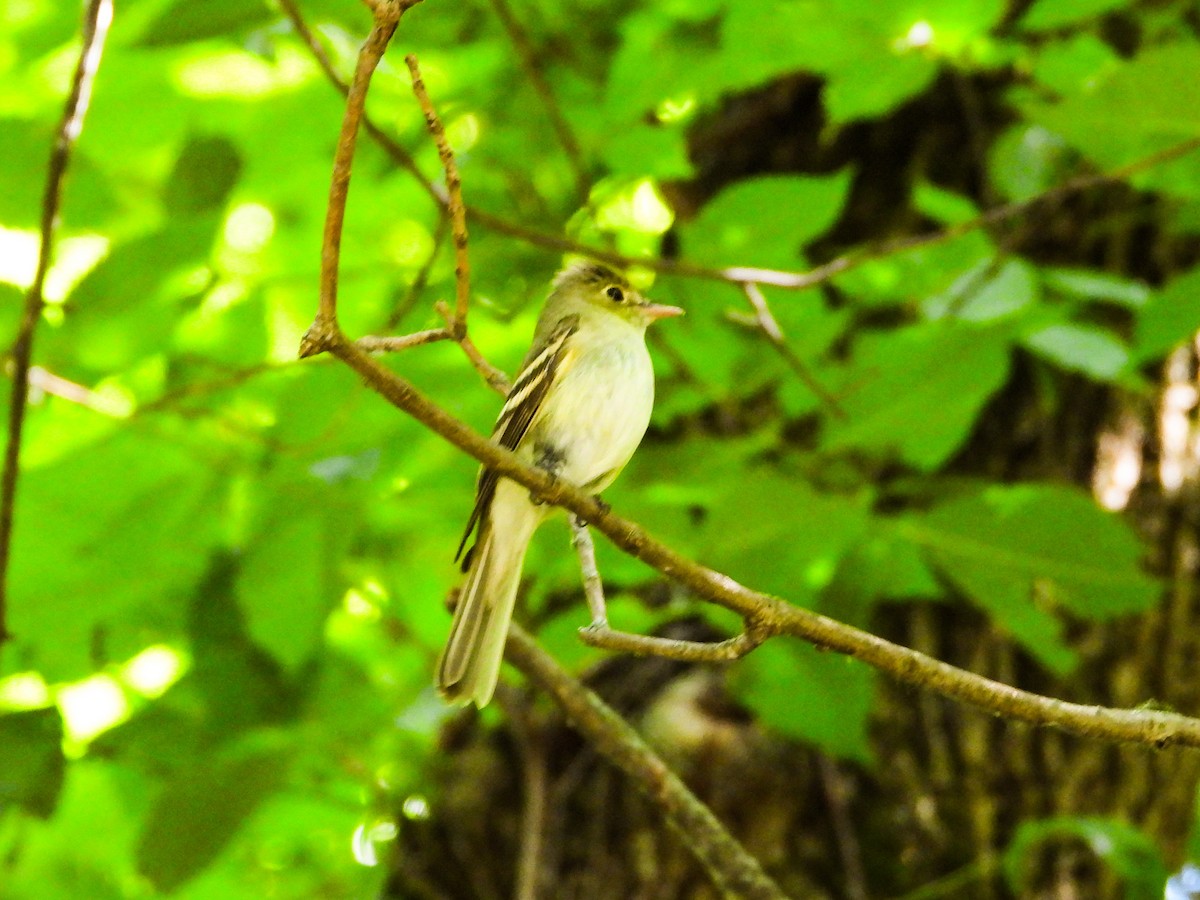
(550, 460)
(592, 586)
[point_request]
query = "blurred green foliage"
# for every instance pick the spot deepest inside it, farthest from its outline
(229, 566)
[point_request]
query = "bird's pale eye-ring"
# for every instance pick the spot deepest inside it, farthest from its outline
(615, 294)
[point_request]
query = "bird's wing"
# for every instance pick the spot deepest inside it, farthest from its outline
(524, 400)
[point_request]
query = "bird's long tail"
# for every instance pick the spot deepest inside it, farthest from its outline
(470, 664)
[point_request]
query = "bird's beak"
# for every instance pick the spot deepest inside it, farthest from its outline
(656, 311)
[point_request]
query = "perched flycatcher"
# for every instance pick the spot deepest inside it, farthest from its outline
(578, 409)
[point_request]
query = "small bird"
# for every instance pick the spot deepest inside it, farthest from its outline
(578, 410)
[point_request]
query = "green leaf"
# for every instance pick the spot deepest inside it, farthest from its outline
(1027, 160)
(792, 544)
(87, 199)
(883, 567)
(184, 21)
(909, 276)
(986, 293)
(205, 172)
(765, 221)
(31, 760)
(809, 695)
(85, 849)
(1074, 65)
(284, 585)
(1047, 14)
(1160, 84)
(879, 83)
(1130, 853)
(202, 807)
(1021, 551)
(916, 391)
(1080, 348)
(1088, 284)
(1171, 317)
(132, 518)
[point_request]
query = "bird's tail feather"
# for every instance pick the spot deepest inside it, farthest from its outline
(470, 665)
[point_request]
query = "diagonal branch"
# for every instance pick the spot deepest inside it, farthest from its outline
(529, 62)
(769, 326)
(734, 871)
(95, 30)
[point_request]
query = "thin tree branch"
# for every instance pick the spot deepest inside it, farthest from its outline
(531, 742)
(734, 871)
(842, 823)
(454, 202)
(387, 17)
(96, 22)
(374, 344)
(593, 587)
(529, 62)
(769, 325)
(495, 378)
(605, 638)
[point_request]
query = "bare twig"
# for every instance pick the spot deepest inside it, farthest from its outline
(375, 344)
(96, 21)
(531, 741)
(599, 634)
(770, 327)
(734, 871)
(593, 587)
(533, 71)
(454, 201)
(387, 17)
(605, 638)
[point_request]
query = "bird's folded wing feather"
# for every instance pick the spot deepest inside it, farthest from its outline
(524, 400)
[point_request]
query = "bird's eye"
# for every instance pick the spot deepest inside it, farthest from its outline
(615, 294)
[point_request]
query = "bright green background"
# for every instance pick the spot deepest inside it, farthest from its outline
(284, 537)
